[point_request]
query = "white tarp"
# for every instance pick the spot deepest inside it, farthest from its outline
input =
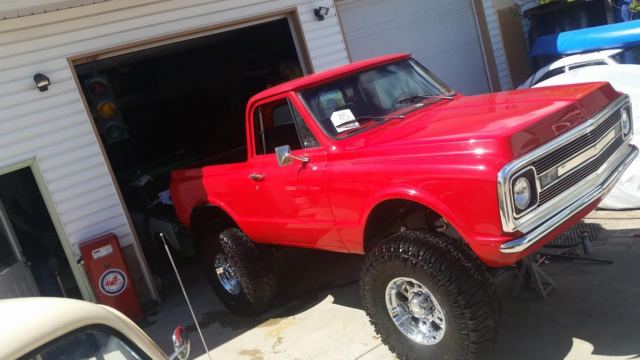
(626, 79)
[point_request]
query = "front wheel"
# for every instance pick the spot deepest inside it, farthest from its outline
(429, 297)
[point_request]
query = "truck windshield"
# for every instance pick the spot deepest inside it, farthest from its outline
(360, 101)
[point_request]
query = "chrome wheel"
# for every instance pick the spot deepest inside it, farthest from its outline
(415, 311)
(227, 274)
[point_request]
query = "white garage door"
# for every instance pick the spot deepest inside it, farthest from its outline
(441, 34)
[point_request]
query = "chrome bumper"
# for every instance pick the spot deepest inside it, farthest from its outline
(584, 193)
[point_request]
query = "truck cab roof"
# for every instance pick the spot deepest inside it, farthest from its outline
(327, 75)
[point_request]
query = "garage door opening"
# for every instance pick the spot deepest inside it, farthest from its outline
(181, 105)
(32, 259)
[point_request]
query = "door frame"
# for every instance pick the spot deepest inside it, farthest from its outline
(291, 14)
(78, 272)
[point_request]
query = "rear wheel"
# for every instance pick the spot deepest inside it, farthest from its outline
(429, 297)
(239, 272)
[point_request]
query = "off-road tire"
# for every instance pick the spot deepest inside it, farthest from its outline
(252, 263)
(458, 281)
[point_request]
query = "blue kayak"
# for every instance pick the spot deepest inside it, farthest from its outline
(618, 35)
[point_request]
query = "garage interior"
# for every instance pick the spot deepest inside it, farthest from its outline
(181, 105)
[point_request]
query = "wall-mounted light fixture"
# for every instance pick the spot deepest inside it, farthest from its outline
(320, 12)
(42, 82)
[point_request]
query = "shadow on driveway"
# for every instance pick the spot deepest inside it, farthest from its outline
(594, 311)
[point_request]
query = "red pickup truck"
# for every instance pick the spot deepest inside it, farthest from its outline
(381, 158)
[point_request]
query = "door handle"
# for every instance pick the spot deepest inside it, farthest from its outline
(256, 177)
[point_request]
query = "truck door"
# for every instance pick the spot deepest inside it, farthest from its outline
(293, 200)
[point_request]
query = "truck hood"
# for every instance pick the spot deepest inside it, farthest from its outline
(516, 121)
(623, 77)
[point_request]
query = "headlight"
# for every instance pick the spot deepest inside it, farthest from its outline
(524, 192)
(626, 121)
(521, 193)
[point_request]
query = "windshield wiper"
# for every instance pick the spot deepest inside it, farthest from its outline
(366, 117)
(419, 97)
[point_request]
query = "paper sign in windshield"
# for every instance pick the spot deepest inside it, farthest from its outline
(344, 120)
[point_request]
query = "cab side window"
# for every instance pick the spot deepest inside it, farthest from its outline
(279, 123)
(307, 138)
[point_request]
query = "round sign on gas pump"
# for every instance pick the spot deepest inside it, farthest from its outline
(113, 282)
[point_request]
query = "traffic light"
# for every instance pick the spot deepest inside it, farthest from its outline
(105, 110)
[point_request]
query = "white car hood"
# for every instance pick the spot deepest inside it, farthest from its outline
(626, 79)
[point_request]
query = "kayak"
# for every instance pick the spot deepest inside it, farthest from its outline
(618, 35)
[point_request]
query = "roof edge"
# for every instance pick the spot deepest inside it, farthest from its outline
(327, 75)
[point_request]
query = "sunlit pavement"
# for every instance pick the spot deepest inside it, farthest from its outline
(594, 314)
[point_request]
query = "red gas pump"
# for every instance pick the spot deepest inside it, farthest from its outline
(109, 276)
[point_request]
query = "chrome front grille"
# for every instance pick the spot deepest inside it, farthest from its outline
(574, 147)
(573, 178)
(565, 168)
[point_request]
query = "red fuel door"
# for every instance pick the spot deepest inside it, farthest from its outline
(109, 276)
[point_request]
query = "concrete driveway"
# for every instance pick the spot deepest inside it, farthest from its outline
(594, 314)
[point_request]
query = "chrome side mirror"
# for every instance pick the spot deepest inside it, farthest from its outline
(181, 344)
(284, 157)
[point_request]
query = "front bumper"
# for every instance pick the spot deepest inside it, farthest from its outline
(581, 196)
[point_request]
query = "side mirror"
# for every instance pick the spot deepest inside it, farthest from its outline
(181, 344)
(284, 157)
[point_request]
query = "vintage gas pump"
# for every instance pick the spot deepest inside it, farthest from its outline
(109, 276)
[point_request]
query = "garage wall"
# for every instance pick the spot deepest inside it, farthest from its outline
(53, 127)
(493, 26)
(14, 8)
(441, 34)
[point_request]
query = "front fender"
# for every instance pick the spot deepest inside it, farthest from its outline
(416, 195)
(461, 189)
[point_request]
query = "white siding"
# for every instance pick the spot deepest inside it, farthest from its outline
(14, 8)
(497, 45)
(53, 127)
